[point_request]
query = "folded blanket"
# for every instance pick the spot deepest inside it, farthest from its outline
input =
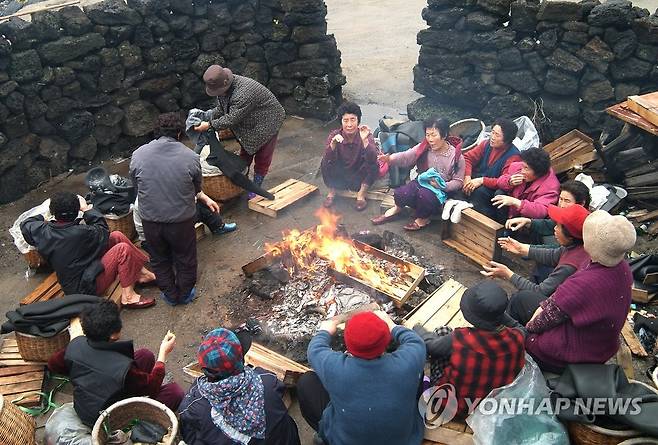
(47, 318)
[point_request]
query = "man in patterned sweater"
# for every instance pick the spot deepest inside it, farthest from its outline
(250, 110)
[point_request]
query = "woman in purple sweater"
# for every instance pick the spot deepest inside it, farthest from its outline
(582, 320)
(435, 152)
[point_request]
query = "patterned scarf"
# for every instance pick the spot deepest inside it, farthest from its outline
(237, 405)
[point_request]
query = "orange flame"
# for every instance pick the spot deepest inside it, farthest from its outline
(304, 248)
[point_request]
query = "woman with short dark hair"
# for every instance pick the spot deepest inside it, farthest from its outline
(350, 157)
(528, 188)
(436, 156)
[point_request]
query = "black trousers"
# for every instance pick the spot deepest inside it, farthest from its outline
(312, 397)
(173, 256)
(523, 304)
(481, 200)
(208, 217)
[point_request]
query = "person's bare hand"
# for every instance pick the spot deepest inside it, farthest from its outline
(516, 179)
(518, 223)
(338, 139)
(364, 132)
(501, 201)
(471, 185)
(513, 246)
(536, 314)
(203, 126)
(167, 345)
(387, 319)
(384, 158)
(497, 270)
(212, 205)
(329, 326)
(83, 204)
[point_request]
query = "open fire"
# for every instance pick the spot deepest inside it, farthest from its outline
(325, 248)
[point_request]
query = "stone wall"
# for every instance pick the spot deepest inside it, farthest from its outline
(492, 58)
(78, 86)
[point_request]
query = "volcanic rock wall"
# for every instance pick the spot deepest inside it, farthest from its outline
(78, 86)
(491, 58)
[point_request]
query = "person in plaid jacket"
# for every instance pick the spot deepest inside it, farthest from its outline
(477, 359)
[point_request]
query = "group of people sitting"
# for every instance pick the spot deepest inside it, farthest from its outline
(499, 180)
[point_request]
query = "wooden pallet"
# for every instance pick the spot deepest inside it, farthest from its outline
(286, 370)
(451, 433)
(19, 378)
(285, 195)
(441, 308)
(639, 295)
(571, 150)
(475, 236)
(50, 288)
(645, 105)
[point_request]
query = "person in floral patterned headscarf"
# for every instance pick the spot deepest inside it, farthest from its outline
(233, 403)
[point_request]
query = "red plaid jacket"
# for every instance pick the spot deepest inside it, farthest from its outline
(481, 361)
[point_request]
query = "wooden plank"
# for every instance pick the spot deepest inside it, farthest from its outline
(466, 252)
(17, 370)
(31, 399)
(641, 295)
(16, 388)
(424, 311)
(647, 216)
(482, 219)
(293, 196)
(259, 263)
(459, 321)
(10, 341)
(285, 194)
(625, 360)
(632, 341)
(448, 436)
(621, 111)
(374, 195)
(50, 281)
(21, 378)
(447, 312)
(645, 105)
(4, 362)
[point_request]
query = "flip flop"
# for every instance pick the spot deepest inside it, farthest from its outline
(360, 205)
(412, 226)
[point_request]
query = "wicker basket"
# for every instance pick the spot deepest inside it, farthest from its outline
(16, 427)
(119, 416)
(124, 224)
(39, 349)
(34, 259)
(220, 188)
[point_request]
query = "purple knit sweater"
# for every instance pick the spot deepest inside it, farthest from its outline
(596, 300)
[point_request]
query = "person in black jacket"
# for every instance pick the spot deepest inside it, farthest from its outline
(87, 258)
(232, 403)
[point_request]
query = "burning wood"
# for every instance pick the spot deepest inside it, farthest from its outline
(322, 250)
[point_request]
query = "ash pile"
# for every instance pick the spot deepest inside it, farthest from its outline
(300, 300)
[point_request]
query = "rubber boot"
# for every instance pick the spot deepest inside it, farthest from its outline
(258, 180)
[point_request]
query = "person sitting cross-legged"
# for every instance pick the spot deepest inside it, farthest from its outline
(435, 156)
(233, 403)
(478, 359)
(87, 258)
(104, 370)
(365, 396)
(350, 157)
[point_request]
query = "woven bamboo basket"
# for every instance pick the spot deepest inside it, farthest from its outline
(220, 187)
(459, 127)
(124, 224)
(39, 349)
(119, 416)
(16, 427)
(34, 259)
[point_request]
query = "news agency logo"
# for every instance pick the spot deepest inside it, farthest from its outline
(438, 406)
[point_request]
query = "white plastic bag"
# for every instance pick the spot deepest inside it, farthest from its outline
(506, 426)
(64, 427)
(15, 230)
(527, 136)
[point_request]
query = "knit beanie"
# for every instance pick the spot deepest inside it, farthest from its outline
(220, 354)
(367, 336)
(607, 238)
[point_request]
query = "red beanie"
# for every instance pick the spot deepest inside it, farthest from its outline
(367, 335)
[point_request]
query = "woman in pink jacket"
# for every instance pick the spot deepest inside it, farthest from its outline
(528, 187)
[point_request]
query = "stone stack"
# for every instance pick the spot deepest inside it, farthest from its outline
(490, 58)
(77, 86)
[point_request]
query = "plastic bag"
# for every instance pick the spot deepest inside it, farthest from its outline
(15, 230)
(64, 427)
(527, 136)
(515, 425)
